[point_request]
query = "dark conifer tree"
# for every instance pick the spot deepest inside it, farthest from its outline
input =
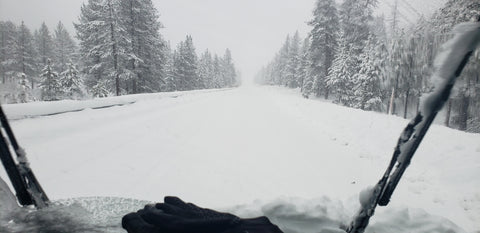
(324, 43)
(26, 55)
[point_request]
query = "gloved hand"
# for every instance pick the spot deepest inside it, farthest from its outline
(176, 216)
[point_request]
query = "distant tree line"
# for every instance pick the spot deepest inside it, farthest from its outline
(120, 51)
(353, 58)
(37, 64)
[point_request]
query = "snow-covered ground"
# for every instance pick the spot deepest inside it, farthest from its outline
(252, 150)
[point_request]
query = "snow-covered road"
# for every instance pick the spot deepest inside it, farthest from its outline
(249, 145)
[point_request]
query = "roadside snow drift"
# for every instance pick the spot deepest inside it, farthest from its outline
(252, 151)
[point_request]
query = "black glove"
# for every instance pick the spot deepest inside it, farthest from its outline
(176, 216)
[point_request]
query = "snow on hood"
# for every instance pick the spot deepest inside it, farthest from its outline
(292, 215)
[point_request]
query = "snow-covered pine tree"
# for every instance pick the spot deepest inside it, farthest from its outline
(26, 54)
(302, 72)
(356, 17)
(99, 90)
(98, 32)
(276, 70)
(44, 43)
(70, 82)
(169, 69)
(454, 12)
(394, 20)
(228, 69)
(367, 82)
(178, 67)
(307, 78)
(269, 74)
(340, 76)
(391, 83)
(293, 62)
(379, 31)
(405, 79)
(425, 52)
(265, 76)
(205, 69)
(186, 66)
(50, 83)
(145, 58)
(412, 82)
(323, 45)
(217, 72)
(8, 45)
(281, 64)
(307, 88)
(64, 48)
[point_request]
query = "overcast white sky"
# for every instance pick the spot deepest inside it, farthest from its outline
(253, 29)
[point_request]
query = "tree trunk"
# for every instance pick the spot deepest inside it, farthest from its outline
(117, 84)
(463, 114)
(301, 87)
(449, 110)
(391, 104)
(132, 34)
(127, 87)
(418, 104)
(405, 110)
(134, 86)
(327, 66)
(114, 51)
(115, 62)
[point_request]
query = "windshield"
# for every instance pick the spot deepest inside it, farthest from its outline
(287, 109)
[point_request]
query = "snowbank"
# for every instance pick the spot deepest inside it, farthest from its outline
(36, 109)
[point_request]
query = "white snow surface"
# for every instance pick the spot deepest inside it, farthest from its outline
(252, 151)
